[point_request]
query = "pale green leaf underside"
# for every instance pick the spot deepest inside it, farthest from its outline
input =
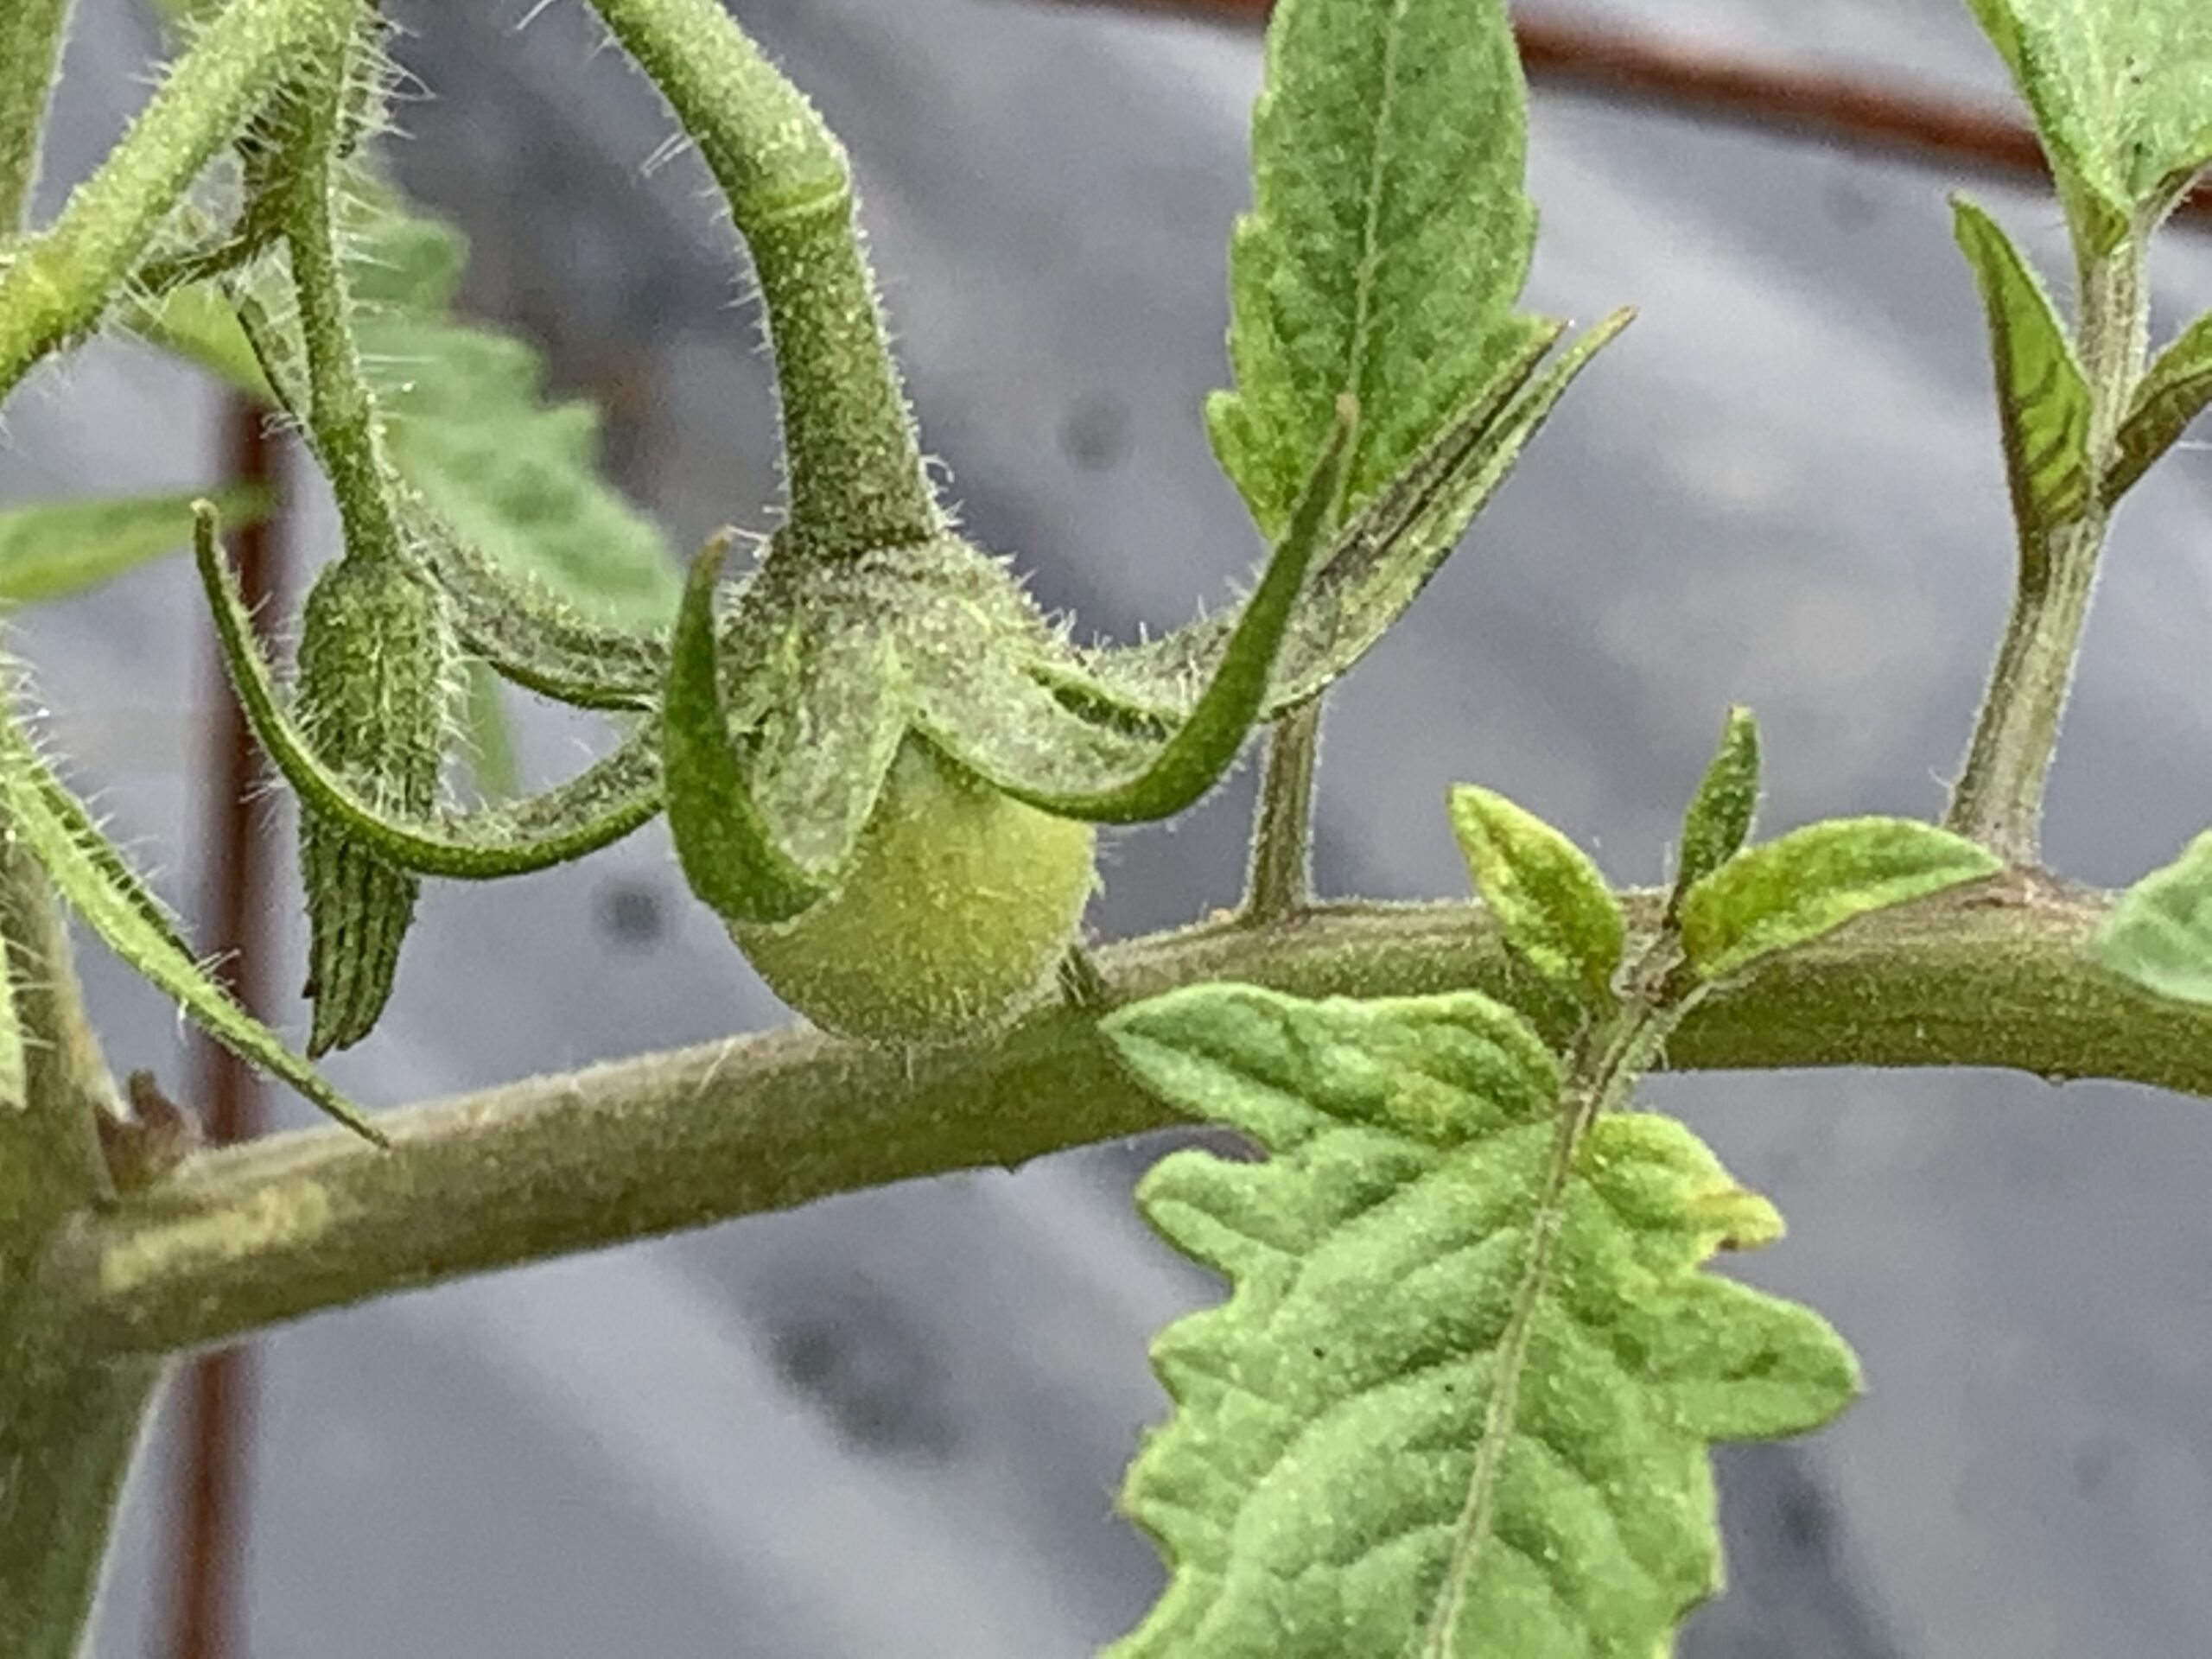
(2176, 390)
(1388, 241)
(1548, 897)
(1375, 1261)
(1790, 891)
(2042, 398)
(2122, 92)
(88, 874)
(49, 549)
(2159, 934)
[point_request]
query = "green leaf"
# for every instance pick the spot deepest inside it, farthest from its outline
(2159, 934)
(1791, 891)
(1429, 1279)
(1381, 562)
(463, 419)
(2177, 389)
(2122, 92)
(49, 549)
(2042, 398)
(84, 869)
(490, 736)
(1388, 241)
(1719, 817)
(198, 322)
(1546, 894)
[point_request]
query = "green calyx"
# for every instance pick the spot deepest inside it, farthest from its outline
(835, 737)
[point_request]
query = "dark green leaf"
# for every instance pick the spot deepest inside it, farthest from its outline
(1428, 1278)
(2043, 400)
(1543, 890)
(1812, 881)
(1388, 241)
(2159, 934)
(2177, 389)
(1719, 817)
(49, 549)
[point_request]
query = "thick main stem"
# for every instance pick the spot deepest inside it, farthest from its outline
(295, 1224)
(1999, 798)
(31, 34)
(854, 465)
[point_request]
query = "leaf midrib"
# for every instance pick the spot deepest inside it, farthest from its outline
(1575, 1116)
(1370, 258)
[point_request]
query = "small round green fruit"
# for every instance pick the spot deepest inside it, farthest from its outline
(959, 901)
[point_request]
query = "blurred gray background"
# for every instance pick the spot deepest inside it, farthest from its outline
(893, 1423)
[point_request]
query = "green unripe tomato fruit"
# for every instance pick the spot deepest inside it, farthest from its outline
(959, 903)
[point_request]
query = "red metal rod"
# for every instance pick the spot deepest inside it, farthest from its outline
(214, 1427)
(1696, 80)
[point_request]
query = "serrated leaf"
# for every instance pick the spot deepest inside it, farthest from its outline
(2043, 397)
(2122, 92)
(49, 549)
(1546, 895)
(1727, 798)
(1459, 1400)
(84, 872)
(2176, 390)
(2159, 934)
(1388, 241)
(1791, 891)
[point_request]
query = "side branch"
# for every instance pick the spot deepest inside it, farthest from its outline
(1993, 975)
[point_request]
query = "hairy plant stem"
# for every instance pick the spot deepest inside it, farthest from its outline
(31, 34)
(242, 1238)
(851, 459)
(342, 413)
(1280, 880)
(60, 282)
(68, 1420)
(1999, 798)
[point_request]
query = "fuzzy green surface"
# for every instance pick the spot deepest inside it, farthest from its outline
(1789, 890)
(377, 682)
(2159, 934)
(1545, 892)
(1389, 239)
(2177, 389)
(2120, 90)
(1429, 1276)
(959, 903)
(2044, 404)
